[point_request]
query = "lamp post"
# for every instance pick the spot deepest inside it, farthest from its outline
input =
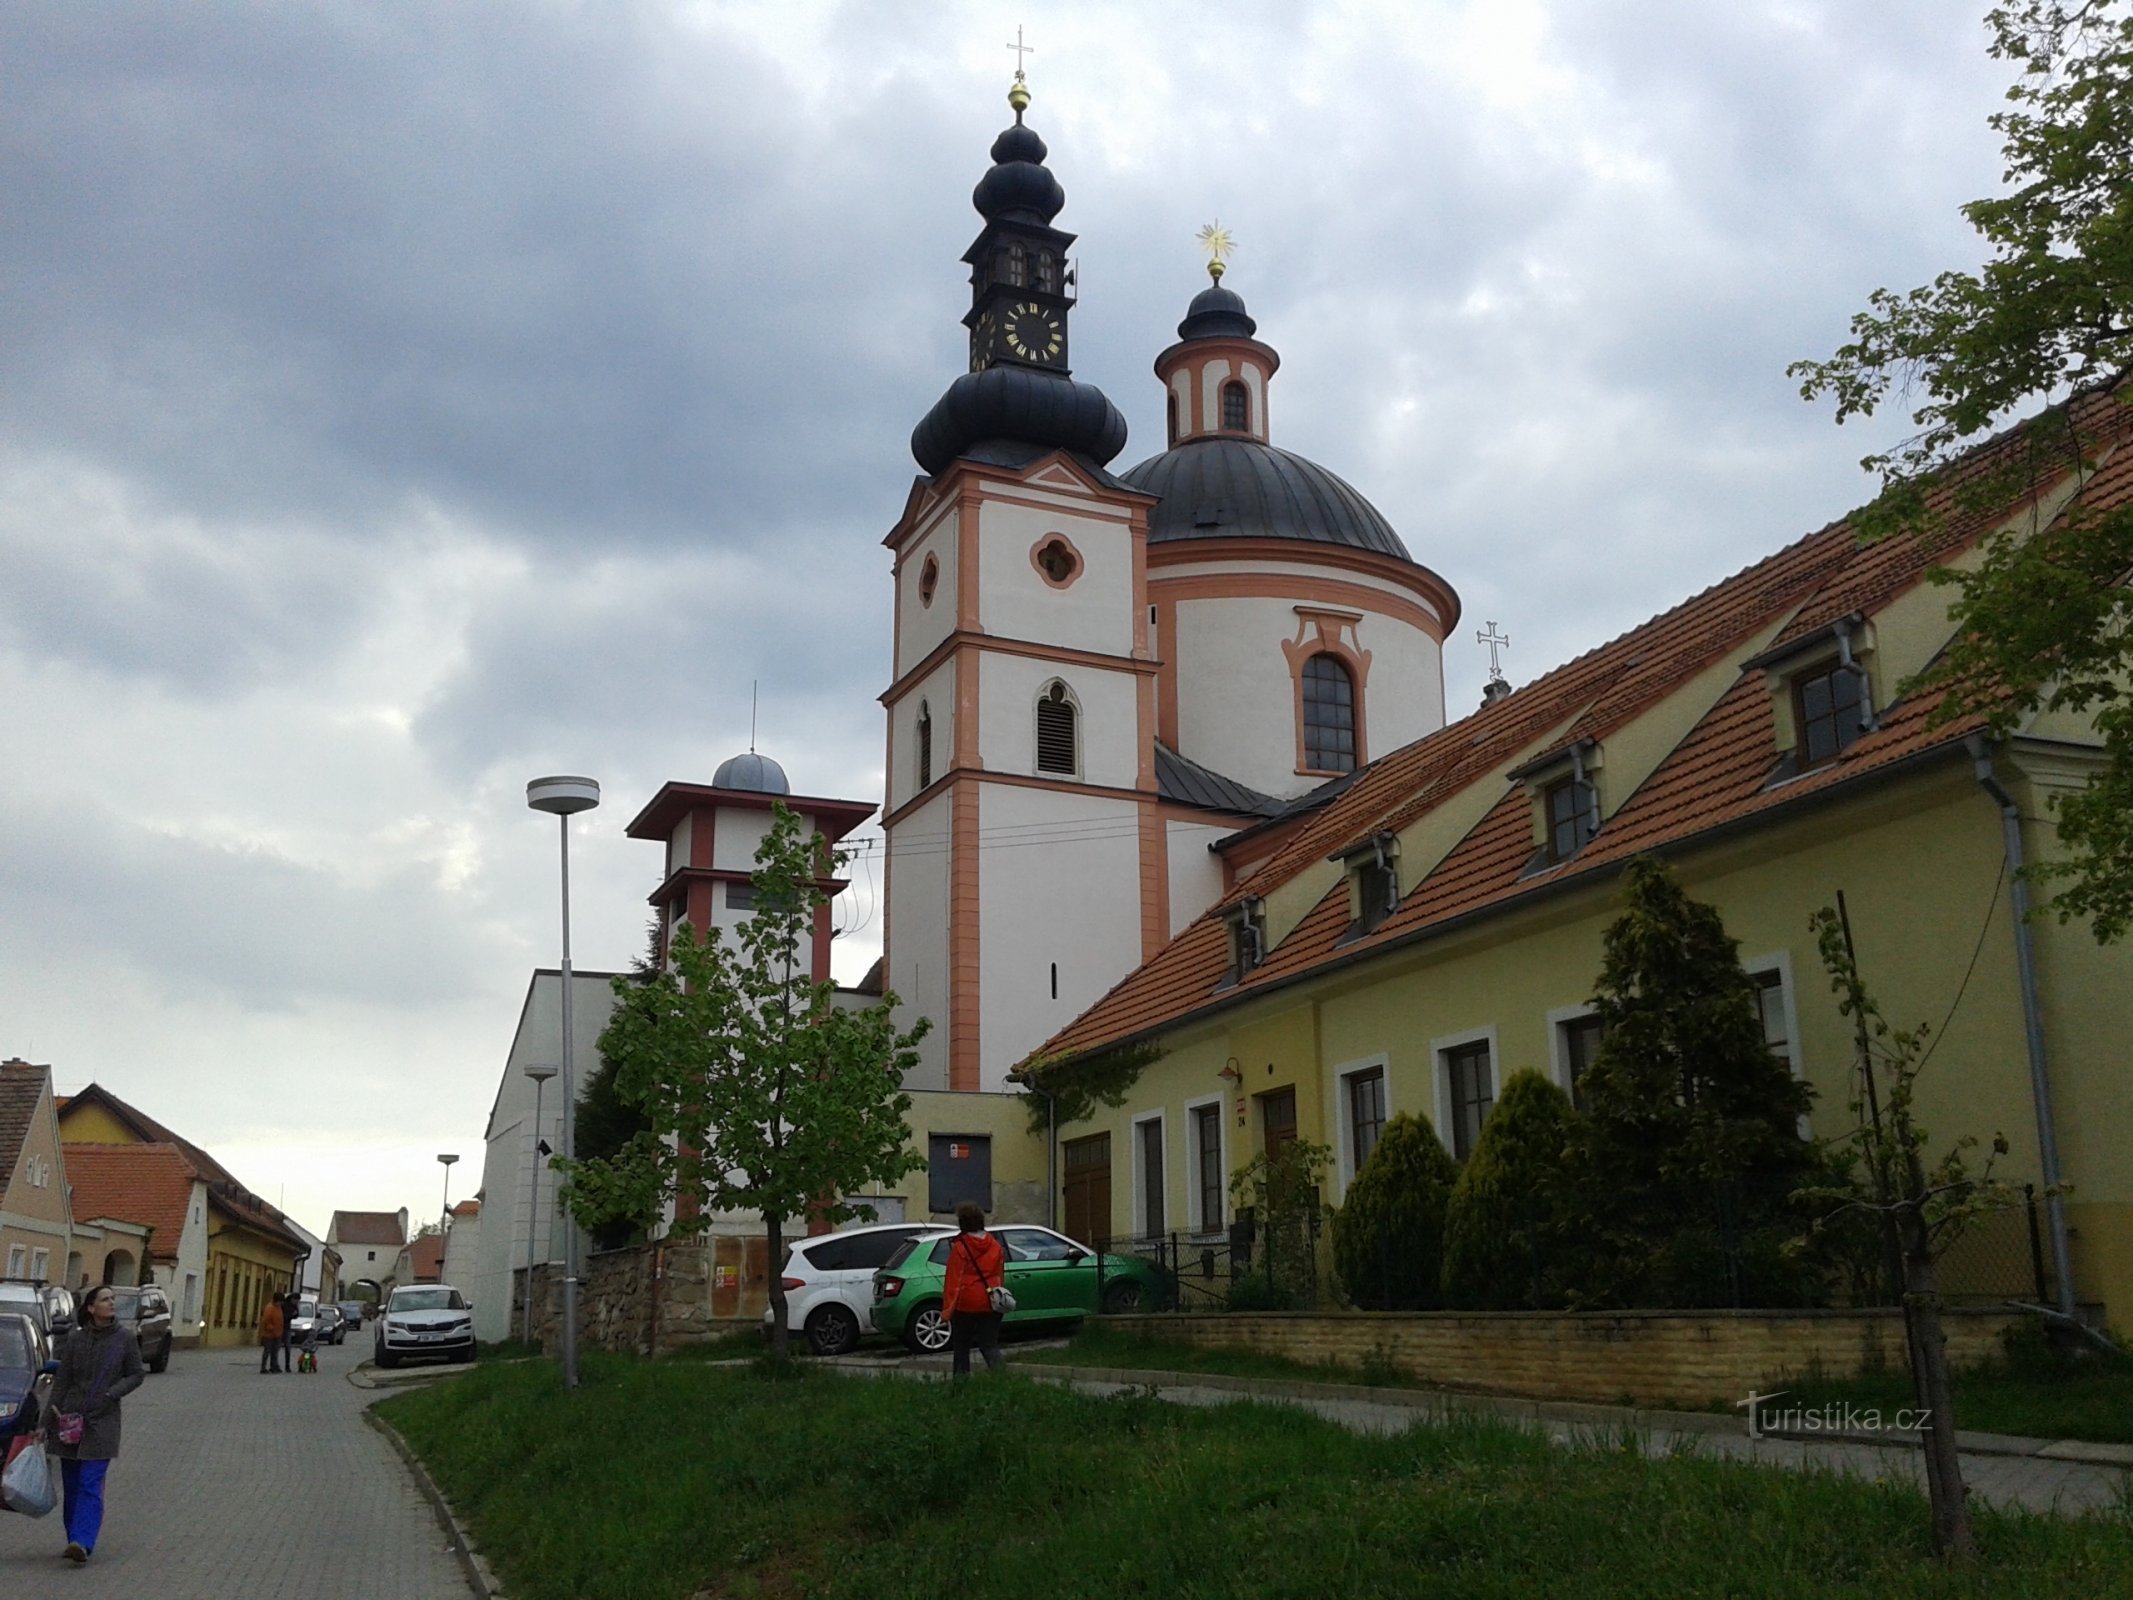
(540, 1076)
(563, 798)
(446, 1163)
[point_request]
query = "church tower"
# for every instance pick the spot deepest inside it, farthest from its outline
(1022, 823)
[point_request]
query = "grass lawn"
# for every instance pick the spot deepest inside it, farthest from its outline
(661, 1481)
(2093, 1400)
(1098, 1346)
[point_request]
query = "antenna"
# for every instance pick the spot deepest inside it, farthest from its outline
(751, 712)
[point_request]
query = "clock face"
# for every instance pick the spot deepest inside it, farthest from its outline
(1034, 333)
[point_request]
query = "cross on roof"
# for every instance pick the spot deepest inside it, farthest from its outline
(1020, 49)
(1494, 640)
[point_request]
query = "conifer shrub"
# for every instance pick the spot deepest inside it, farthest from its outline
(1511, 1232)
(1387, 1237)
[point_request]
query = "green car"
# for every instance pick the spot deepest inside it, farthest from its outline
(1052, 1278)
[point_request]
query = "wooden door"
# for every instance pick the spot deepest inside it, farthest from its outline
(1085, 1171)
(1277, 1120)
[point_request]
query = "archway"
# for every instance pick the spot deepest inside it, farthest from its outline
(119, 1268)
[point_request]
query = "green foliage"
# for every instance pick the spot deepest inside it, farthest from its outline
(1511, 1237)
(1387, 1234)
(1258, 1291)
(607, 1122)
(1690, 1151)
(1070, 1090)
(1280, 1196)
(2046, 621)
(759, 1093)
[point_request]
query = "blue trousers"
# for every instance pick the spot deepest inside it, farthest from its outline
(83, 1486)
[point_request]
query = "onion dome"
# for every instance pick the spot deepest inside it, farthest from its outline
(1018, 188)
(1018, 407)
(758, 774)
(1217, 313)
(1238, 488)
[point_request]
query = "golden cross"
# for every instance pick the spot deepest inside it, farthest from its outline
(1020, 49)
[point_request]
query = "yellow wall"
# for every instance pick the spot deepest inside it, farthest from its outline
(244, 1267)
(1017, 1155)
(1919, 864)
(92, 1124)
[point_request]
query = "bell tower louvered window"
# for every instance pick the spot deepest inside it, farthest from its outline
(1056, 732)
(1328, 715)
(925, 744)
(1236, 408)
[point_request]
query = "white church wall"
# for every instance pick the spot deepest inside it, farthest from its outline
(920, 627)
(935, 692)
(1195, 871)
(1058, 886)
(1109, 725)
(1093, 612)
(918, 942)
(678, 842)
(736, 836)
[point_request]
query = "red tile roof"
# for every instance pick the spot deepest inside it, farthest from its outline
(21, 1087)
(146, 1183)
(234, 1198)
(467, 1208)
(367, 1228)
(425, 1257)
(1718, 774)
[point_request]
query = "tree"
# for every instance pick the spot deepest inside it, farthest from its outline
(608, 1121)
(1508, 1234)
(1922, 1211)
(2045, 618)
(760, 1093)
(1387, 1233)
(1689, 1151)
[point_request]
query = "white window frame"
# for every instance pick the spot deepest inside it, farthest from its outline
(1440, 1074)
(1780, 962)
(1194, 1217)
(17, 1259)
(1343, 1118)
(1558, 1057)
(1140, 1175)
(41, 1264)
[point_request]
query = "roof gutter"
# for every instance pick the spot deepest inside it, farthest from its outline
(2040, 1088)
(1808, 804)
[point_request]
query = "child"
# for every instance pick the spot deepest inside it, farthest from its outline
(308, 1361)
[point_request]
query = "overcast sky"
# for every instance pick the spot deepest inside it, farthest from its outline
(401, 402)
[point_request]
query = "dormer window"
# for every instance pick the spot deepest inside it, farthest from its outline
(1821, 693)
(1373, 882)
(1569, 805)
(1236, 407)
(1247, 937)
(1564, 790)
(1826, 708)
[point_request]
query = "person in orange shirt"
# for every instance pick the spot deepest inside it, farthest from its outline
(270, 1326)
(976, 1266)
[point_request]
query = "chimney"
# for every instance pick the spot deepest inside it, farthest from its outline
(1494, 690)
(403, 1224)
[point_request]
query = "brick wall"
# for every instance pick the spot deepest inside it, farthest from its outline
(674, 1295)
(1692, 1358)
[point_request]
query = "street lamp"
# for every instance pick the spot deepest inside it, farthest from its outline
(446, 1163)
(564, 798)
(540, 1076)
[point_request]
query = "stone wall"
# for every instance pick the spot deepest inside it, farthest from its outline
(1693, 1358)
(650, 1298)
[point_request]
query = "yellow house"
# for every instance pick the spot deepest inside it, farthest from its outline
(250, 1251)
(1405, 940)
(36, 1224)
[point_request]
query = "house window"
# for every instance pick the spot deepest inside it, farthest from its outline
(15, 1254)
(1328, 715)
(1376, 872)
(1770, 1004)
(1236, 407)
(929, 579)
(1570, 817)
(1207, 1160)
(40, 1264)
(1055, 732)
(1470, 1086)
(1828, 709)
(925, 744)
(1580, 1038)
(1149, 1135)
(740, 896)
(1247, 937)
(1366, 1114)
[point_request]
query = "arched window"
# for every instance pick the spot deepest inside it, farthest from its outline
(1236, 407)
(1173, 419)
(1017, 265)
(1047, 272)
(1328, 715)
(925, 744)
(1055, 731)
(929, 578)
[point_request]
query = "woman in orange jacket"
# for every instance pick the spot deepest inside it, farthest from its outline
(976, 1266)
(270, 1325)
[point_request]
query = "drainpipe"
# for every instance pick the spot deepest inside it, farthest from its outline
(2032, 1018)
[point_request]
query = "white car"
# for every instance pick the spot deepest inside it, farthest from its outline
(425, 1319)
(829, 1281)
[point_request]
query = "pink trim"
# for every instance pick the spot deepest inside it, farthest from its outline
(1329, 633)
(1036, 560)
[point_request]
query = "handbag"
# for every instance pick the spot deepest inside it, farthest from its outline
(26, 1486)
(999, 1297)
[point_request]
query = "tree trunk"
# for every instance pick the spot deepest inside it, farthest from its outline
(1935, 1394)
(774, 1237)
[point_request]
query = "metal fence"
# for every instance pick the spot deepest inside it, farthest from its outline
(1247, 1266)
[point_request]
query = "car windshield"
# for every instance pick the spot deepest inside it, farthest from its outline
(307, 1307)
(428, 1300)
(15, 1346)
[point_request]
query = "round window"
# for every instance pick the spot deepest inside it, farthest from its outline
(1057, 560)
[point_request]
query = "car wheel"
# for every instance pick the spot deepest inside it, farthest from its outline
(385, 1360)
(927, 1331)
(1124, 1295)
(832, 1330)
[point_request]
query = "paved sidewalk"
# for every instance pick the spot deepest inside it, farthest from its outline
(233, 1484)
(1995, 1475)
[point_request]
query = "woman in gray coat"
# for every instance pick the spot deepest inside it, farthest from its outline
(99, 1364)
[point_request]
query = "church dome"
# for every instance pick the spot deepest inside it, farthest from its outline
(750, 771)
(1238, 488)
(1217, 313)
(1018, 406)
(1018, 187)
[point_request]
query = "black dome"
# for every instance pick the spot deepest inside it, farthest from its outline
(1240, 488)
(1018, 188)
(1018, 405)
(1217, 312)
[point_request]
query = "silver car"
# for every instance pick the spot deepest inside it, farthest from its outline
(422, 1320)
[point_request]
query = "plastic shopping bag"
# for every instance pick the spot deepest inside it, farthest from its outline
(27, 1484)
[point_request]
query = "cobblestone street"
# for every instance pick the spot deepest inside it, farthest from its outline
(233, 1484)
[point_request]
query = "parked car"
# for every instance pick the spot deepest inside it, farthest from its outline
(1052, 1278)
(30, 1297)
(24, 1354)
(146, 1310)
(353, 1311)
(58, 1312)
(829, 1281)
(424, 1319)
(332, 1326)
(305, 1320)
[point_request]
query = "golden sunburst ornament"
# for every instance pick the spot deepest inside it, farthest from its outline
(1219, 244)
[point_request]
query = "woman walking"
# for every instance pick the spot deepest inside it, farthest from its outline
(976, 1267)
(99, 1365)
(271, 1327)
